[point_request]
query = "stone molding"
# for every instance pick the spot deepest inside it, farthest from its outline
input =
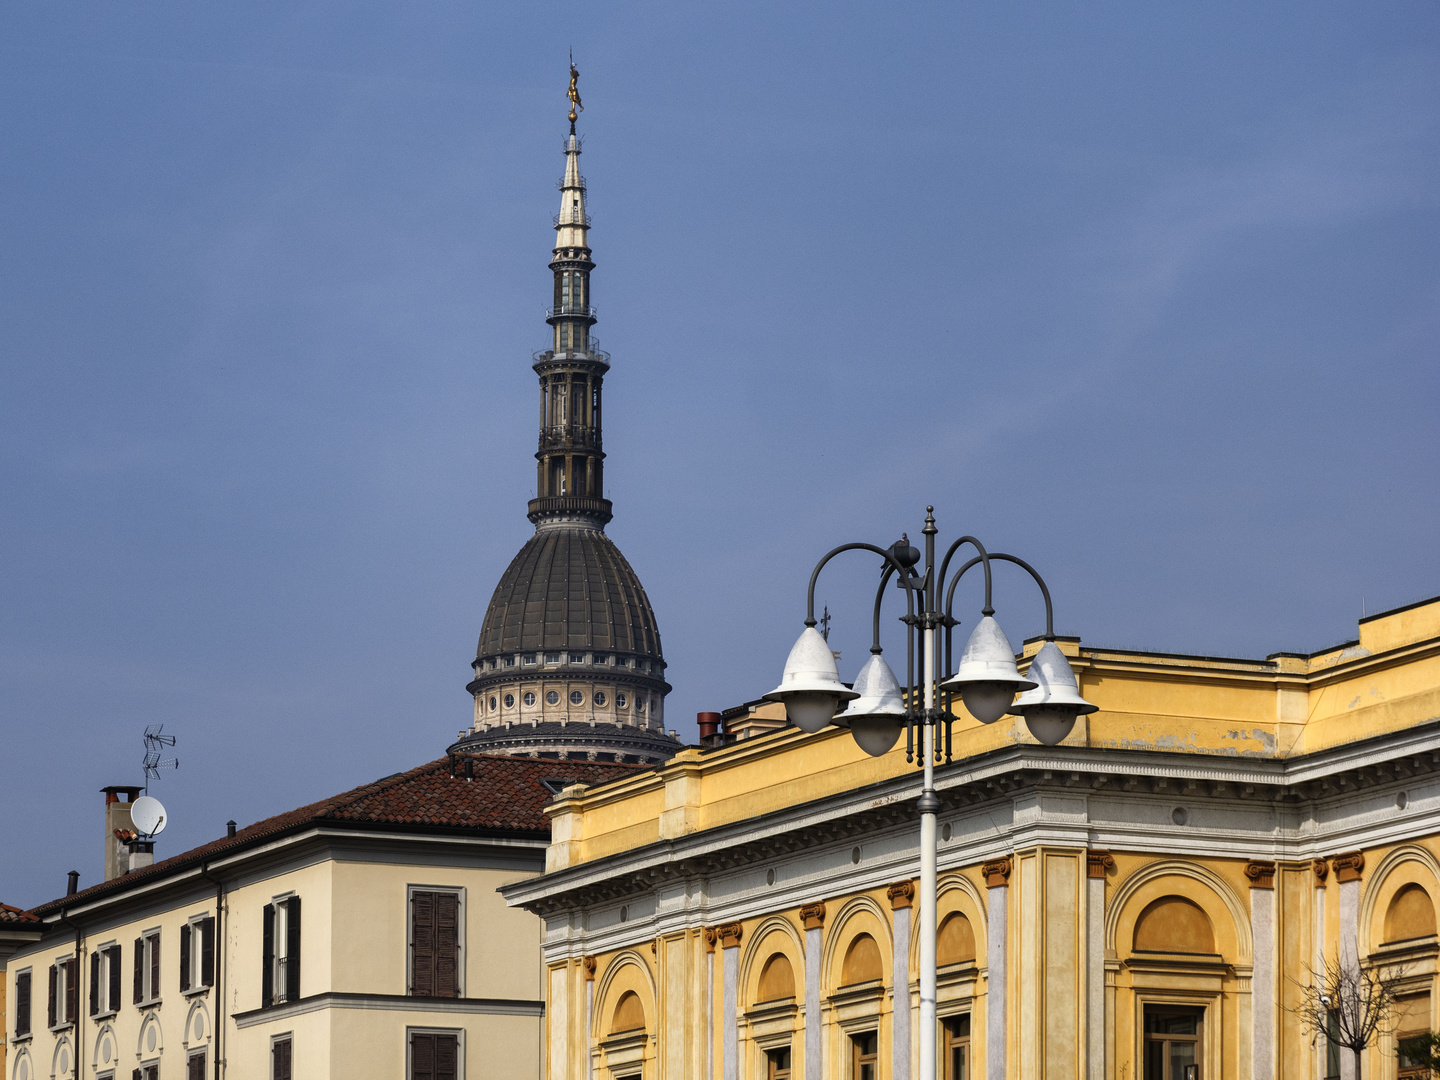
(730, 934)
(1348, 867)
(1261, 874)
(901, 894)
(997, 872)
(1097, 862)
(813, 915)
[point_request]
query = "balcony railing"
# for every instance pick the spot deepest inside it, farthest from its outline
(593, 353)
(570, 217)
(577, 311)
(560, 184)
(576, 435)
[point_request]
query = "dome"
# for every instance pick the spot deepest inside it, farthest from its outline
(569, 588)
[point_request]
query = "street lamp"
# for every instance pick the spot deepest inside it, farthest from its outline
(878, 709)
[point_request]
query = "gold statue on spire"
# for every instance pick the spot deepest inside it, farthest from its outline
(574, 93)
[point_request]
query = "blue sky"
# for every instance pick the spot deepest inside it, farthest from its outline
(1146, 294)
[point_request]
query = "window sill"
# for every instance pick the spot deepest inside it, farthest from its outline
(194, 992)
(22, 1038)
(152, 1003)
(58, 1028)
(108, 1014)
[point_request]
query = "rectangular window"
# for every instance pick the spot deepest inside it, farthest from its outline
(105, 980)
(863, 1056)
(529, 658)
(197, 954)
(1172, 1044)
(64, 1004)
(195, 1066)
(280, 1054)
(147, 1072)
(145, 988)
(435, 943)
(777, 1064)
(1412, 1019)
(552, 657)
(280, 952)
(957, 1048)
(22, 1004)
(434, 1055)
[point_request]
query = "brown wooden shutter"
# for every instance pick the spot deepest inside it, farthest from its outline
(280, 1060)
(72, 989)
(50, 1010)
(94, 982)
(113, 959)
(139, 970)
(185, 957)
(292, 949)
(422, 944)
(447, 944)
(137, 1075)
(267, 960)
(422, 1057)
(447, 1053)
(195, 1067)
(22, 1003)
(152, 1072)
(207, 952)
(154, 966)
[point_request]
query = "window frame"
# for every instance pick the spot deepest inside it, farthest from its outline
(461, 952)
(106, 957)
(27, 973)
(67, 971)
(150, 948)
(412, 1031)
(194, 963)
(858, 1059)
(279, 1037)
(279, 976)
(950, 1041)
(191, 1055)
(1165, 1038)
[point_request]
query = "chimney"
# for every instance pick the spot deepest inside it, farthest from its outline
(711, 732)
(118, 827)
(72, 884)
(230, 830)
(142, 854)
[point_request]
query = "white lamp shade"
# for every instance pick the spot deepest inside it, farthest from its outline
(876, 717)
(987, 677)
(811, 689)
(1051, 708)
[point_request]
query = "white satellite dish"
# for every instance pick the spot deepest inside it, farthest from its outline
(148, 816)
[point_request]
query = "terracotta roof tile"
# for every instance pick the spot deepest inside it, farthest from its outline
(14, 916)
(506, 796)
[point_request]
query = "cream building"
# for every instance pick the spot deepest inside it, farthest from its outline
(1140, 902)
(360, 936)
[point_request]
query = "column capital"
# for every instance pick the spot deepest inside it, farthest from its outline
(1261, 874)
(710, 938)
(1321, 869)
(588, 963)
(997, 872)
(730, 934)
(813, 915)
(901, 894)
(1348, 867)
(1097, 862)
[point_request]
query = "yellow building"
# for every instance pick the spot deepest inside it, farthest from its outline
(360, 936)
(1144, 900)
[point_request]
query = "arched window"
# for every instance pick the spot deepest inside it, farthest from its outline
(862, 961)
(777, 979)
(955, 943)
(629, 1013)
(1411, 914)
(1175, 925)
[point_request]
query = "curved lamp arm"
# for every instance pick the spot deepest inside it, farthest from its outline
(1044, 591)
(880, 595)
(815, 574)
(982, 557)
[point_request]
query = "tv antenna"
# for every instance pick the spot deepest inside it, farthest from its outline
(155, 743)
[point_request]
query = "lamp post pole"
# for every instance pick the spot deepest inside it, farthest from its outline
(877, 708)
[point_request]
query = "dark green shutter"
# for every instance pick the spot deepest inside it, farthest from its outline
(267, 959)
(292, 949)
(185, 957)
(50, 1011)
(22, 1004)
(154, 966)
(207, 952)
(72, 989)
(113, 957)
(94, 982)
(139, 970)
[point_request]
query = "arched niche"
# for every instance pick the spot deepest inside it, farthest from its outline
(955, 895)
(863, 962)
(629, 1014)
(775, 936)
(860, 915)
(777, 979)
(1228, 917)
(955, 941)
(626, 973)
(1174, 924)
(1401, 867)
(1411, 914)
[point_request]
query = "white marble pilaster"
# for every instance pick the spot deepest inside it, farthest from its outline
(999, 944)
(814, 1059)
(1095, 976)
(730, 1047)
(1262, 1001)
(1349, 952)
(900, 1019)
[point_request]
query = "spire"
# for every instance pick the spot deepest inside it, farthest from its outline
(570, 462)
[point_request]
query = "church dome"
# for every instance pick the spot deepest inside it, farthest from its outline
(569, 588)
